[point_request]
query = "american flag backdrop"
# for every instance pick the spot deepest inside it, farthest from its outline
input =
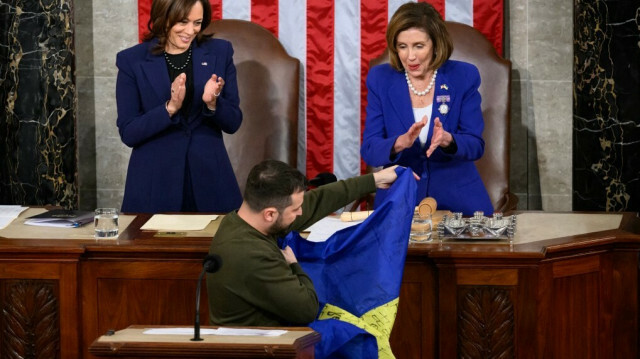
(334, 41)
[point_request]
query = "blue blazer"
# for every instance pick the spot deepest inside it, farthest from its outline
(452, 179)
(162, 144)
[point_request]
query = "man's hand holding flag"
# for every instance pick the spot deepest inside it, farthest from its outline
(357, 274)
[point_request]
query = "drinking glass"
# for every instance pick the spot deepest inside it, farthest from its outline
(421, 228)
(106, 223)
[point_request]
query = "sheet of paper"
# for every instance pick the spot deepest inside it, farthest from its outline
(178, 222)
(177, 331)
(326, 227)
(219, 331)
(9, 213)
(252, 332)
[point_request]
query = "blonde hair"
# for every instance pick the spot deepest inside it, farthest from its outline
(425, 17)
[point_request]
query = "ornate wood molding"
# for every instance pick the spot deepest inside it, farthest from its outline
(30, 319)
(485, 322)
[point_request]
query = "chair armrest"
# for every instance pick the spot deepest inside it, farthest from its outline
(508, 203)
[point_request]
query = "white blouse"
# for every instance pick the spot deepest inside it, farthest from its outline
(418, 114)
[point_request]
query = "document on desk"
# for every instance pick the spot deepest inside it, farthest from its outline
(178, 222)
(219, 331)
(326, 227)
(8, 214)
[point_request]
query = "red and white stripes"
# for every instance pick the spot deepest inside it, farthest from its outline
(334, 41)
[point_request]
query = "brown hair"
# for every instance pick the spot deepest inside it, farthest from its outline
(271, 183)
(166, 13)
(424, 17)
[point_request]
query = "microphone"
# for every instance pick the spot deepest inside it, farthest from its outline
(323, 178)
(210, 264)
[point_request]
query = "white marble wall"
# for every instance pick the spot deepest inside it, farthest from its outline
(538, 42)
(114, 29)
(83, 18)
(540, 47)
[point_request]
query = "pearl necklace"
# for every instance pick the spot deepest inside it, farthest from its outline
(427, 90)
(178, 67)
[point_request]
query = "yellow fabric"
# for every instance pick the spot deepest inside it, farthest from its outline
(378, 322)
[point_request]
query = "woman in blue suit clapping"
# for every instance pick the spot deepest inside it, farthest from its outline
(423, 112)
(176, 93)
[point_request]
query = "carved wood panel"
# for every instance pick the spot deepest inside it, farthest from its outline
(29, 323)
(486, 322)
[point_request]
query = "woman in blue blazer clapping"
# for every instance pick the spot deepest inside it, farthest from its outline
(423, 112)
(176, 93)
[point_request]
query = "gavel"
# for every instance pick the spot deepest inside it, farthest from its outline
(427, 207)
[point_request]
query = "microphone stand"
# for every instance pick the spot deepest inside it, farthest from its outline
(196, 326)
(210, 264)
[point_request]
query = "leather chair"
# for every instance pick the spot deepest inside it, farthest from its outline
(268, 85)
(495, 72)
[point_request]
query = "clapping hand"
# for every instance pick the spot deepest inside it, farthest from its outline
(407, 139)
(212, 89)
(178, 90)
(440, 137)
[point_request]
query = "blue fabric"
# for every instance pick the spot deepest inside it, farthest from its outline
(359, 268)
(162, 145)
(343, 340)
(452, 179)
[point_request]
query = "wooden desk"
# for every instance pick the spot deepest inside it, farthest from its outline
(131, 343)
(566, 296)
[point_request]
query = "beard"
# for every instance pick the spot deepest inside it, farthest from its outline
(278, 228)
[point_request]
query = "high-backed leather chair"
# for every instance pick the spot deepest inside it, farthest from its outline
(268, 88)
(471, 46)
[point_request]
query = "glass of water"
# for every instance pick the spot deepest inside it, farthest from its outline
(106, 223)
(421, 228)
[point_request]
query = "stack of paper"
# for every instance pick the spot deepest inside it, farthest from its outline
(8, 214)
(178, 222)
(326, 227)
(61, 218)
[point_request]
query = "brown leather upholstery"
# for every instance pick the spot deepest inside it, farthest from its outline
(495, 73)
(268, 89)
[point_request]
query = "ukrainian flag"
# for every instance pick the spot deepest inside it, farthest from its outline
(357, 274)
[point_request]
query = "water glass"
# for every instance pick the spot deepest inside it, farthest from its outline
(421, 228)
(106, 223)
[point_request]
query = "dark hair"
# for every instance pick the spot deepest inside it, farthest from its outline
(425, 17)
(166, 13)
(271, 184)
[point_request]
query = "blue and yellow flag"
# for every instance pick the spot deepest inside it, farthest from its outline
(357, 274)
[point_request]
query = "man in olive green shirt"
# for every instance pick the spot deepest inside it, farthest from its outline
(260, 284)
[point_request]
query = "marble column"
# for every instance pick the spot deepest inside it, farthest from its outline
(38, 112)
(606, 133)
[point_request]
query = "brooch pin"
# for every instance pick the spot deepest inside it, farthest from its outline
(442, 100)
(444, 86)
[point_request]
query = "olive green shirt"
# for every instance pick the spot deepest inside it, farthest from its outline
(255, 285)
